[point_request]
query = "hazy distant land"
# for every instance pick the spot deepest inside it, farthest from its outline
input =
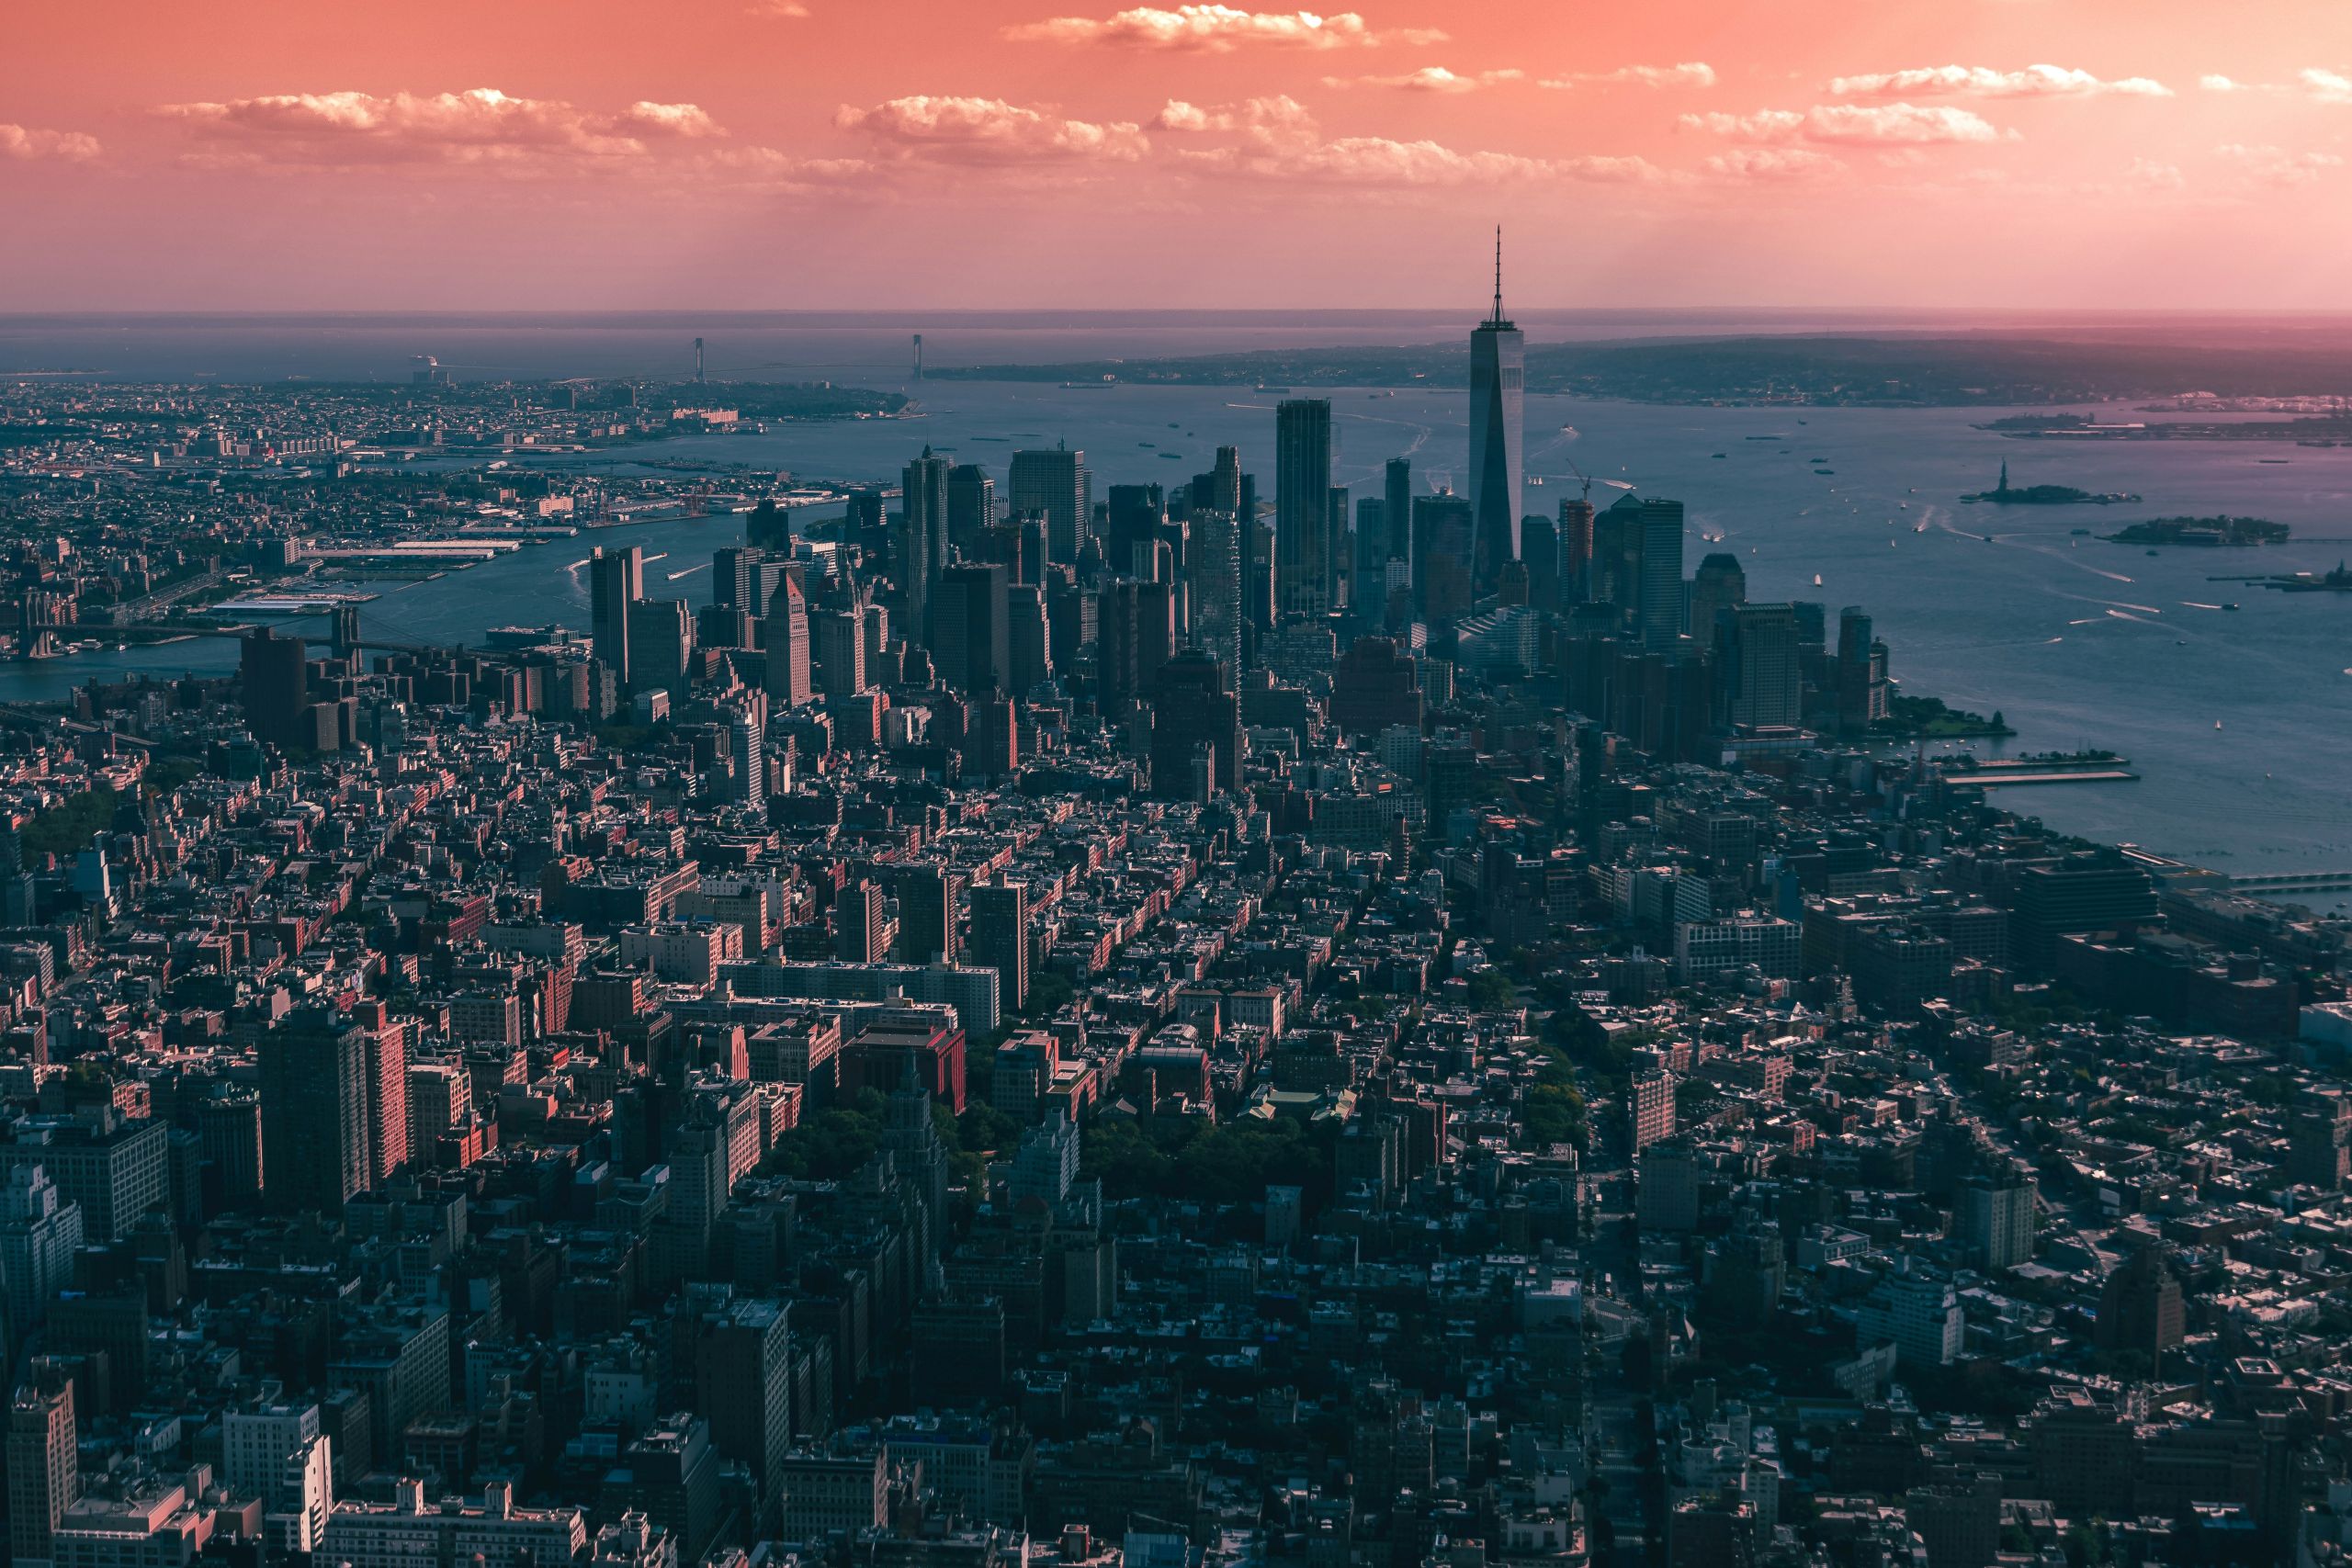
(1823, 370)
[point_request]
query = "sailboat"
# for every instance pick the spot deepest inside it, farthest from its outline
(1816, 580)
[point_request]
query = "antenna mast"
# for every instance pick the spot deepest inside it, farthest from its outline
(1499, 273)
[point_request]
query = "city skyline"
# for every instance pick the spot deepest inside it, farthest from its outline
(650, 920)
(853, 1007)
(425, 155)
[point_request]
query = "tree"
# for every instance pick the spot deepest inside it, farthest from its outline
(1554, 1114)
(1491, 990)
(1049, 992)
(983, 1127)
(165, 774)
(827, 1146)
(68, 827)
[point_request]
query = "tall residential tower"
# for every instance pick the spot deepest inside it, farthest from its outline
(1302, 506)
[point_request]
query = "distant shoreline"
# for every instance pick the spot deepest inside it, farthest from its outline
(1804, 370)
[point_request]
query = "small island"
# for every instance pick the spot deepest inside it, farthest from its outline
(2005, 494)
(2211, 532)
(2040, 423)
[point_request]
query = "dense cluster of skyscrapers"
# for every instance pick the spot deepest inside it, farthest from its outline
(1040, 589)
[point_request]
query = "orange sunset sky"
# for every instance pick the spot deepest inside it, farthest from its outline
(503, 154)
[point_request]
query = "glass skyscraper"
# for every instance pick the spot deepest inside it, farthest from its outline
(1497, 399)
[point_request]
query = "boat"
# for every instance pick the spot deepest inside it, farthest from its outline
(2228, 606)
(1918, 527)
(1718, 454)
(2217, 724)
(1816, 580)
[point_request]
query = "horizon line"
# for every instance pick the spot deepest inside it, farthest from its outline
(1299, 313)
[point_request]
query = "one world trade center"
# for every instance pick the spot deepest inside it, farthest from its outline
(1497, 398)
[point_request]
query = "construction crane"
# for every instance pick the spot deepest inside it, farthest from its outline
(1583, 478)
(1588, 481)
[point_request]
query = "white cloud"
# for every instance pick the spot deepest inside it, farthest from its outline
(1853, 122)
(1279, 140)
(771, 170)
(2147, 173)
(1896, 122)
(2215, 83)
(1178, 115)
(688, 120)
(2327, 86)
(1980, 82)
(479, 126)
(1217, 30)
(20, 142)
(2276, 166)
(1379, 161)
(1764, 125)
(792, 10)
(988, 130)
(1278, 111)
(1428, 79)
(1689, 73)
(1772, 164)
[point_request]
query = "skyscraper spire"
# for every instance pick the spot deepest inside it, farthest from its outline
(1499, 273)
(1497, 389)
